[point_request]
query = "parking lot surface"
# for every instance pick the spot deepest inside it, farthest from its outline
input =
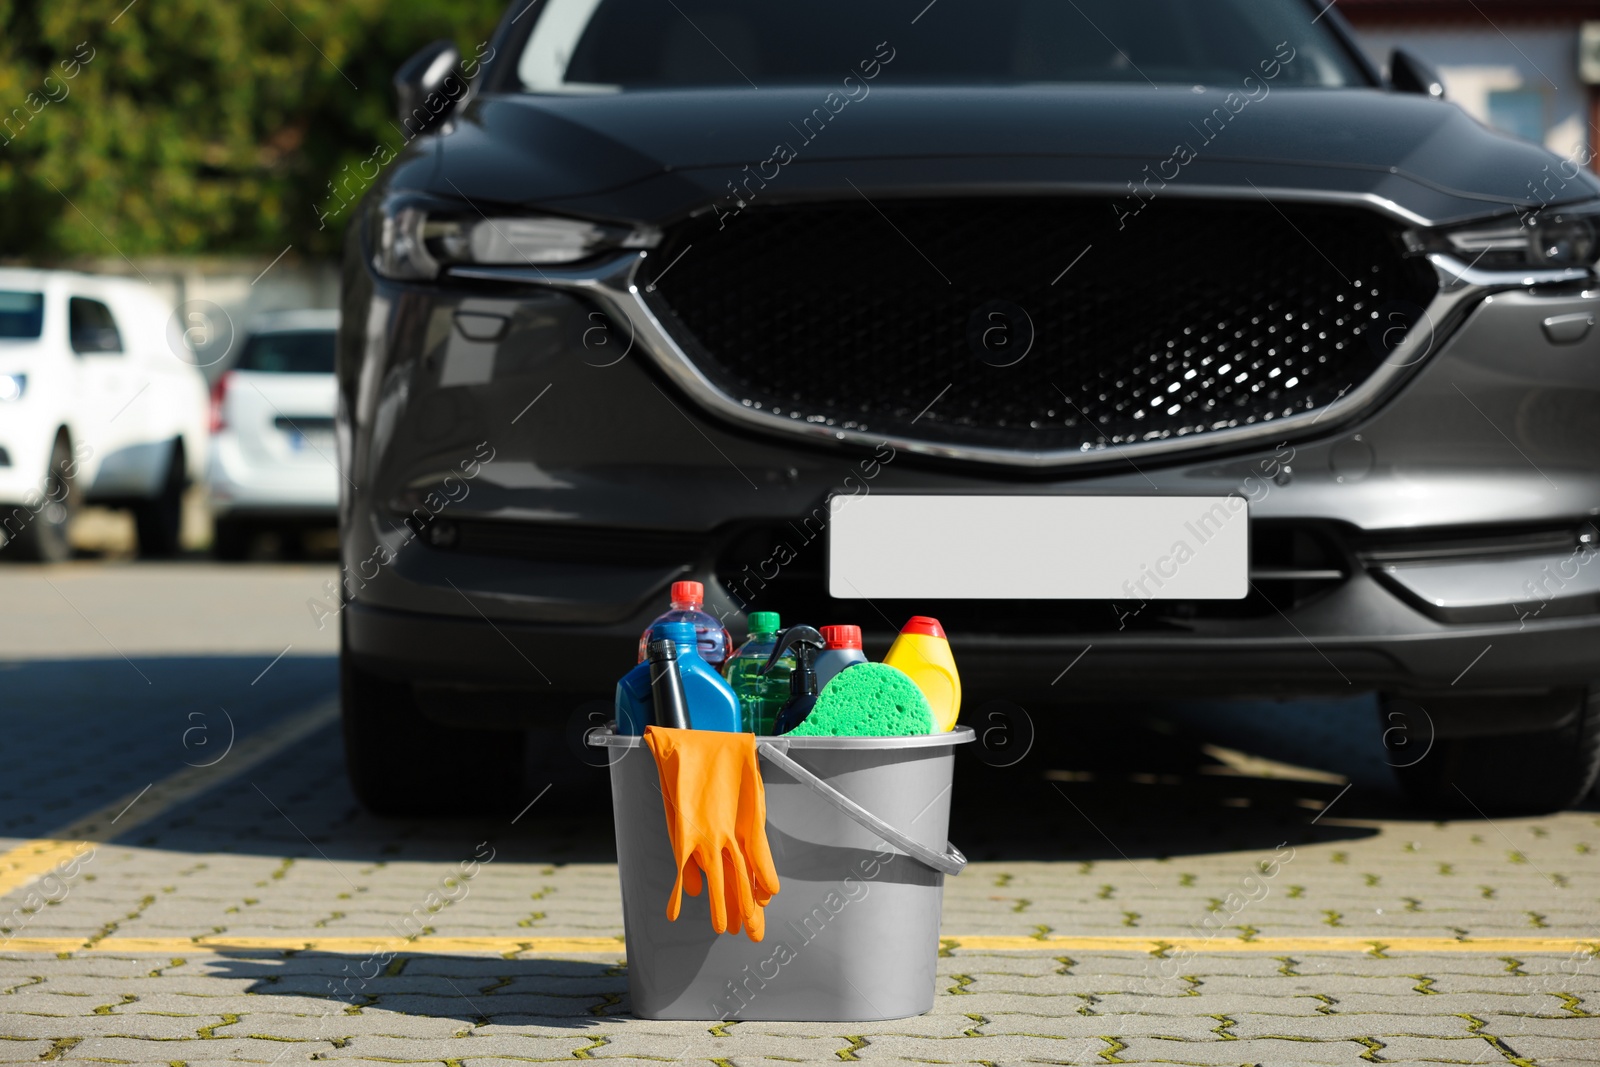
(185, 877)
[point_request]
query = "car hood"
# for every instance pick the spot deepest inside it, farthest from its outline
(654, 155)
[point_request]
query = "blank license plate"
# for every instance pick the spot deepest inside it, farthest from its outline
(906, 546)
(316, 442)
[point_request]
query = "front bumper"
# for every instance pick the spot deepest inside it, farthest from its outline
(1358, 640)
(23, 477)
(525, 501)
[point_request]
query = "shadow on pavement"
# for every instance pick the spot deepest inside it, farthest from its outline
(1148, 780)
(81, 733)
(1093, 781)
(473, 989)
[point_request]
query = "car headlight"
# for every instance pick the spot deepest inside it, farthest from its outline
(12, 386)
(417, 240)
(1546, 240)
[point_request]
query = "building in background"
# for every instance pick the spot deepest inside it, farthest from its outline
(1518, 65)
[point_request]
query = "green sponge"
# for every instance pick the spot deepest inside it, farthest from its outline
(868, 700)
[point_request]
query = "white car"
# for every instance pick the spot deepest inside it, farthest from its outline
(273, 460)
(97, 405)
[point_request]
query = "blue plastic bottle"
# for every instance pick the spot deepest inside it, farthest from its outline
(712, 702)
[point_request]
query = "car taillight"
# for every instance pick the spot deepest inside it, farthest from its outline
(219, 398)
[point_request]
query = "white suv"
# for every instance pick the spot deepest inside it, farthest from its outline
(96, 406)
(273, 460)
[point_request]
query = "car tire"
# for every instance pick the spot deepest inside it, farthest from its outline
(46, 536)
(231, 539)
(1515, 774)
(159, 521)
(404, 765)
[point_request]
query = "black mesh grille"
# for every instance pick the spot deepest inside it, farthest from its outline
(1190, 317)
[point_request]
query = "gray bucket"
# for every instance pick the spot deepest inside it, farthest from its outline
(857, 827)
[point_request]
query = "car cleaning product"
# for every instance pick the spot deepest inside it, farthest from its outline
(869, 700)
(760, 695)
(923, 653)
(844, 650)
(805, 643)
(667, 700)
(688, 603)
(633, 706)
(711, 700)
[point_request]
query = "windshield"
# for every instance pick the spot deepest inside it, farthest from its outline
(615, 45)
(21, 315)
(297, 352)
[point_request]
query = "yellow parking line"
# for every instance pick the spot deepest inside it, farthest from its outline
(511, 947)
(33, 859)
(1215, 945)
(343, 946)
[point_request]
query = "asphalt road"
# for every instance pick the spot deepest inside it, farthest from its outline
(186, 878)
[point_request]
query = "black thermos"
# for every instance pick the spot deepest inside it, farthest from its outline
(666, 686)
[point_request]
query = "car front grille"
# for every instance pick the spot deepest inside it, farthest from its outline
(1036, 324)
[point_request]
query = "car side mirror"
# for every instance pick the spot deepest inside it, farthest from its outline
(1410, 73)
(429, 86)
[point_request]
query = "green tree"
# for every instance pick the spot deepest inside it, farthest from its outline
(192, 126)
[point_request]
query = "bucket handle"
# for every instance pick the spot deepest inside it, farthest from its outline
(948, 862)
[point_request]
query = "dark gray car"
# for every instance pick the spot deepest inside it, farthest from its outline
(651, 283)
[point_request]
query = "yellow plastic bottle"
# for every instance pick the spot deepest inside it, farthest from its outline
(922, 652)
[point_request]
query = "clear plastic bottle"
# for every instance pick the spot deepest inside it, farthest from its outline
(711, 702)
(688, 601)
(760, 697)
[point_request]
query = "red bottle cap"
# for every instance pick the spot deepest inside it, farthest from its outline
(842, 636)
(691, 593)
(922, 624)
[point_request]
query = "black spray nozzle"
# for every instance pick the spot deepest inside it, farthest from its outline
(805, 643)
(800, 640)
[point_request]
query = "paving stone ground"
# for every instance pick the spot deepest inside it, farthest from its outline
(1129, 821)
(992, 1007)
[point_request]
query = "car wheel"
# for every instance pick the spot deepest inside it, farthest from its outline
(160, 521)
(404, 765)
(231, 539)
(1514, 774)
(45, 536)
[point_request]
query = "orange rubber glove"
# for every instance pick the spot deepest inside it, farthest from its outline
(716, 807)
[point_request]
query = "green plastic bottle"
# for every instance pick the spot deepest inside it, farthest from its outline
(760, 697)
